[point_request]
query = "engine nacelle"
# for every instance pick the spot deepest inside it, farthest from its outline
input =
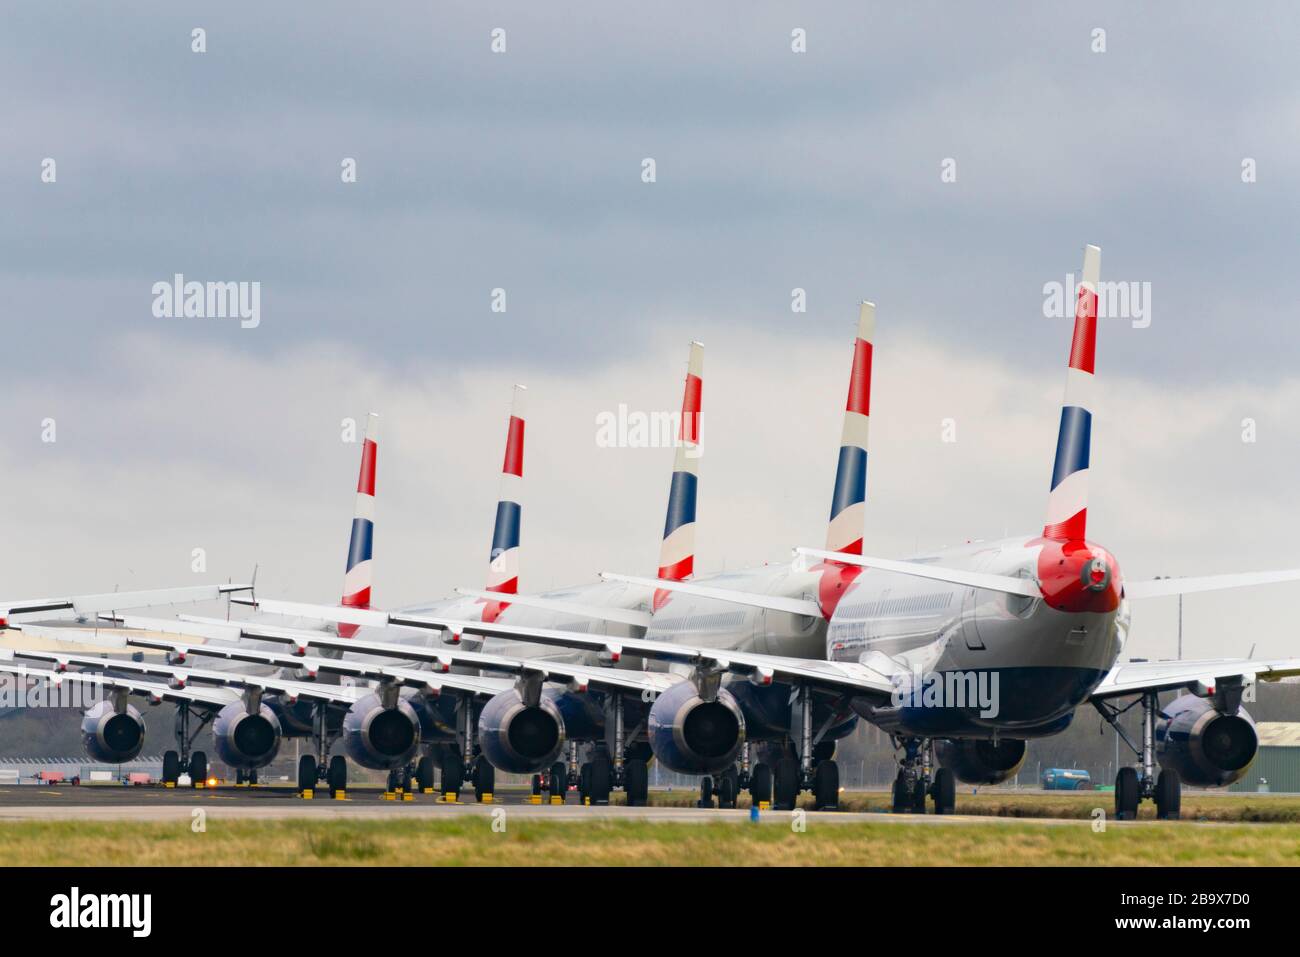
(692, 736)
(111, 736)
(381, 738)
(246, 741)
(519, 739)
(1205, 746)
(979, 760)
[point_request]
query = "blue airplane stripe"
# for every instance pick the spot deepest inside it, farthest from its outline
(505, 533)
(362, 542)
(850, 479)
(1072, 443)
(681, 502)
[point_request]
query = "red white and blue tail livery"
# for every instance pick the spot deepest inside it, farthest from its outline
(360, 570)
(677, 553)
(848, 504)
(1067, 505)
(503, 561)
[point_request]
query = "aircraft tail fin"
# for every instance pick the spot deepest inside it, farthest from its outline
(503, 561)
(1067, 504)
(848, 504)
(358, 578)
(677, 553)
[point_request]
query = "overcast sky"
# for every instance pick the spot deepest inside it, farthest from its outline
(522, 170)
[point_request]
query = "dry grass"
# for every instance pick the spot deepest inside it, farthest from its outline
(1264, 808)
(470, 840)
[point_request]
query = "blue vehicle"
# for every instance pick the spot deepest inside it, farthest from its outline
(1066, 779)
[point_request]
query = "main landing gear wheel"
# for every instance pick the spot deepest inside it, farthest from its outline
(826, 786)
(1169, 796)
(485, 777)
(785, 784)
(945, 792)
(453, 775)
(706, 792)
(1127, 794)
(760, 784)
(902, 795)
(171, 769)
(239, 776)
(558, 784)
(424, 773)
(337, 776)
(918, 797)
(601, 779)
(198, 769)
(636, 782)
(251, 777)
(728, 787)
(306, 772)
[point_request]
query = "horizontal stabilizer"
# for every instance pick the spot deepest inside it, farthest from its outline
(1163, 587)
(90, 604)
(999, 583)
(623, 616)
(794, 606)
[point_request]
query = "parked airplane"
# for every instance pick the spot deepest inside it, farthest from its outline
(962, 655)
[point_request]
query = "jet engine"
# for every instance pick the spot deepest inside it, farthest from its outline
(518, 738)
(246, 740)
(692, 736)
(1207, 747)
(378, 737)
(980, 760)
(112, 736)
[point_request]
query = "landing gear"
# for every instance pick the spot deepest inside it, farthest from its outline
(424, 774)
(636, 783)
(728, 788)
(1169, 796)
(601, 778)
(199, 769)
(184, 761)
(944, 791)
(760, 784)
(1133, 786)
(785, 784)
(337, 776)
(453, 773)
(558, 783)
(706, 792)
(913, 782)
(171, 769)
(307, 769)
(826, 786)
(1128, 794)
(485, 776)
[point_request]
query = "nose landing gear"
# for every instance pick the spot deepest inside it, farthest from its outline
(918, 779)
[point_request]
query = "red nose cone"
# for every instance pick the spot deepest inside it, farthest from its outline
(1079, 577)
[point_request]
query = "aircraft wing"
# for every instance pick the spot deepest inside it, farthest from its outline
(1136, 676)
(91, 604)
(180, 678)
(844, 677)
(212, 697)
(577, 677)
(795, 606)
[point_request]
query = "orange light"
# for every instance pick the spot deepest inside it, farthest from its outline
(212, 782)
